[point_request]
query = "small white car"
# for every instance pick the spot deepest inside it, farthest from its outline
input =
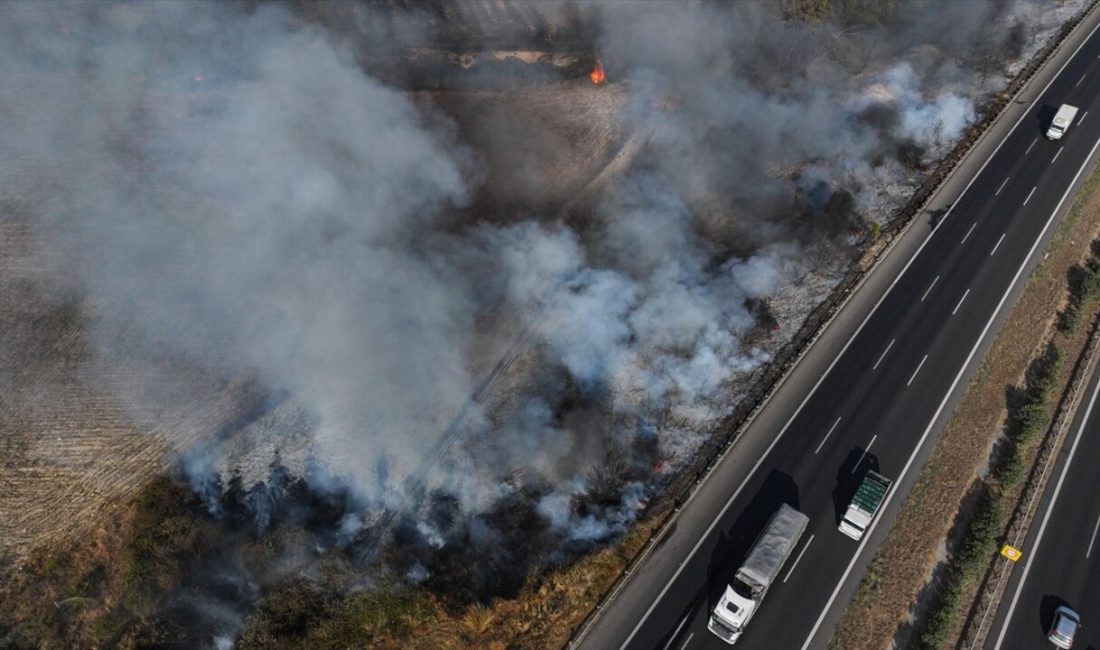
(1064, 627)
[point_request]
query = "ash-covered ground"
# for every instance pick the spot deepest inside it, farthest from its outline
(407, 274)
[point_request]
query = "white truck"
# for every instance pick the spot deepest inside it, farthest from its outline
(865, 505)
(768, 555)
(1061, 122)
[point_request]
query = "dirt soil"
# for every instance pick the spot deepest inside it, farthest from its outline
(70, 449)
(882, 609)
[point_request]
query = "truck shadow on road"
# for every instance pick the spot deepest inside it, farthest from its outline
(736, 541)
(731, 547)
(1045, 115)
(848, 477)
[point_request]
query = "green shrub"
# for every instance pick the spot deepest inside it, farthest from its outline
(1033, 418)
(1010, 469)
(942, 618)
(975, 550)
(1069, 319)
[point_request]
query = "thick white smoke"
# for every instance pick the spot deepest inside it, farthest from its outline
(242, 198)
(234, 196)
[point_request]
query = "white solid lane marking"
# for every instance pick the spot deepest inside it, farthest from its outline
(688, 641)
(967, 235)
(864, 454)
(997, 245)
(1030, 146)
(1029, 194)
(827, 436)
(960, 303)
(1059, 152)
(1080, 121)
(973, 350)
(1050, 508)
(919, 366)
(1080, 80)
(1001, 187)
(786, 577)
(1093, 540)
(929, 289)
(875, 367)
(677, 631)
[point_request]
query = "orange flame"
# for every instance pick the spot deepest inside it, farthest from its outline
(598, 76)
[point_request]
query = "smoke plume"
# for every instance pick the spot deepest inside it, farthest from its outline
(238, 200)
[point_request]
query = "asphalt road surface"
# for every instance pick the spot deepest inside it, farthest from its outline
(1061, 565)
(876, 405)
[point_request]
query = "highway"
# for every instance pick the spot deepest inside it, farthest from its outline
(1061, 565)
(880, 402)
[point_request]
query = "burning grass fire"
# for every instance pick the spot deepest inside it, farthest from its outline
(418, 315)
(598, 76)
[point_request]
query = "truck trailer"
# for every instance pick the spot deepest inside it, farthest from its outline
(865, 505)
(761, 567)
(1061, 122)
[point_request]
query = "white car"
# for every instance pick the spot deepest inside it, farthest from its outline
(1064, 627)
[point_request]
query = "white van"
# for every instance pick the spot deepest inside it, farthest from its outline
(1061, 122)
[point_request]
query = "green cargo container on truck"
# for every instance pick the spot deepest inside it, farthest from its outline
(865, 505)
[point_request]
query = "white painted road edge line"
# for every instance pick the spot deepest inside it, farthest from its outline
(875, 367)
(967, 235)
(1093, 540)
(827, 436)
(1057, 153)
(864, 454)
(916, 254)
(962, 370)
(960, 303)
(997, 245)
(929, 289)
(786, 577)
(1033, 141)
(688, 641)
(1080, 121)
(1080, 80)
(1046, 517)
(1001, 187)
(1029, 194)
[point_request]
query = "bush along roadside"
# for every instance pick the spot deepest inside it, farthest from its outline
(968, 564)
(1030, 417)
(1084, 288)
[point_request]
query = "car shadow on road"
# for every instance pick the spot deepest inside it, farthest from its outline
(1047, 605)
(848, 477)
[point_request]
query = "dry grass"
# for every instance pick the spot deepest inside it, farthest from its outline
(396, 616)
(904, 562)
